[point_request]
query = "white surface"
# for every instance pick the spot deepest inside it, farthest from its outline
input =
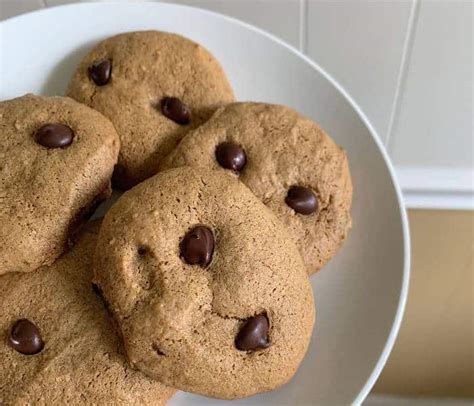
(361, 44)
(280, 17)
(408, 63)
(437, 188)
(435, 126)
(361, 294)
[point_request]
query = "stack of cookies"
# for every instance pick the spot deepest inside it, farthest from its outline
(197, 277)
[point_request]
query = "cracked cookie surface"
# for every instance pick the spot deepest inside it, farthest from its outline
(56, 161)
(154, 87)
(75, 356)
(288, 162)
(208, 290)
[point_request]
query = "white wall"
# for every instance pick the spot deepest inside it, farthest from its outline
(408, 63)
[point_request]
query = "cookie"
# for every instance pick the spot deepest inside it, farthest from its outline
(288, 162)
(155, 87)
(208, 290)
(56, 161)
(57, 343)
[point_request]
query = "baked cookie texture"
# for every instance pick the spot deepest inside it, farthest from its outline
(79, 359)
(273, 149)
(208, 290)
(154, 87)
(56, 161)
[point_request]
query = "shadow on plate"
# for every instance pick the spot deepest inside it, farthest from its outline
(57, 81)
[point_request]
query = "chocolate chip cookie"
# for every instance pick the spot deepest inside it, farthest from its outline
(208, 290)
(56, 161)
(155, 87)
(288, 161)
(57, 344)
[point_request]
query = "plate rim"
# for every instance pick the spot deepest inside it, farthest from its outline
(392, 336)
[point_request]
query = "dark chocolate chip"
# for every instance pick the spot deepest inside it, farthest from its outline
(197, 246)
(254, 334)
(101, 71)
(231, 156)
(54, 136)
(25, 337)
(302, 200)
(176, 110)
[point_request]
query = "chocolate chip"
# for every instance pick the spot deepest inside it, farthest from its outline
(254, 334)
(25, 337)
(54, 136)
(101, 71)
(302, 200)
(176, 110)
(231, 156)
(197, 246)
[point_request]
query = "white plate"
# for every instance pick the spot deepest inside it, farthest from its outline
(361, 294)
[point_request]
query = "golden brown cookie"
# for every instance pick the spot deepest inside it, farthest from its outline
(57, 343)
(154, 87)
(285, 159)
(56, 161)
(209, 291)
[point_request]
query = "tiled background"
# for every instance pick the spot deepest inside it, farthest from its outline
(408, 63)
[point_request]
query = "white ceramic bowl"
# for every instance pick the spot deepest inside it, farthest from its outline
(361, 294)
